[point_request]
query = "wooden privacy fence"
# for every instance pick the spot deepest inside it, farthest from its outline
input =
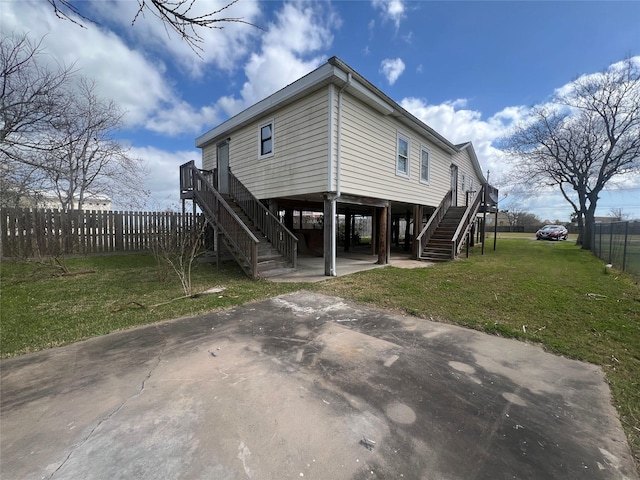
(28, 232)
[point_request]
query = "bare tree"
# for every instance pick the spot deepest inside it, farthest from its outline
(57, 135)
(177, 15)
(89, 161)
(589, 135)
(29, 98)
(20, 184)
(618, 214)
(178, 248)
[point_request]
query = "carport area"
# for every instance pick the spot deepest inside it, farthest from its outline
(359, 259)
(306, 386)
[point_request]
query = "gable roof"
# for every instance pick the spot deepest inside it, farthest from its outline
(336, 72)
(474, 158)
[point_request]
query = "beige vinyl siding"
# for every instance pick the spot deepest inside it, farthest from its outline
(209, 157)
(299, 162)
(465, 166)
(369, 149)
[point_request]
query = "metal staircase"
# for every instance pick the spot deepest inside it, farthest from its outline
(256, 238)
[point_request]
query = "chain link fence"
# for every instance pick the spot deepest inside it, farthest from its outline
(618, 243)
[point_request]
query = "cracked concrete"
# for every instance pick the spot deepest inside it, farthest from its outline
(296, 383)
(108, 417)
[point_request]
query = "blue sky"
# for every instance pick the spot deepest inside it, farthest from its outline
(468, 69)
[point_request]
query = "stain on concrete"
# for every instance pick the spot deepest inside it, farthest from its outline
(297, 381)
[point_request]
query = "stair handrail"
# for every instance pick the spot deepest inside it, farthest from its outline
(433, 222)
(465, 223)
(220, 214)
(270, 225)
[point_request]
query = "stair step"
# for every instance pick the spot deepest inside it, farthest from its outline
(270, 257)
(276, 271)
(437, 253)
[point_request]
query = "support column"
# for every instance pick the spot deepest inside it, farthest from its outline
(395, 229)
(288, 218)
(353, 228)
(417, 228)
(330, 235)
(383, 231)
(273, 208)
(347, 230)
(374, 230)
(388, 255)
(407, 231)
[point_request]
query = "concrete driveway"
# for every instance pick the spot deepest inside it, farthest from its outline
(304, 385)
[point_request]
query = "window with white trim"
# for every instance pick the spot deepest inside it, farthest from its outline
(471, 184)
(266, 143)
(464, 182)
(402, 155)
(424, 165)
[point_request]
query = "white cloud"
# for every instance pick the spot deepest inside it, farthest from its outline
(122, 74)
(392, 10)
(290, 49)
(459, 125)
(220, 47)
(392, 68)
(163, 177)
(125, 75)
(181, 117)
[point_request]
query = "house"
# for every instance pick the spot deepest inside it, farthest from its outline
(91, 201)
(333, 143)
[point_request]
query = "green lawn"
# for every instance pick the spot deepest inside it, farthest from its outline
(550, 293)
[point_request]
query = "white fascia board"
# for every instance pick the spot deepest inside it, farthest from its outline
(363, 93)
(319, 75)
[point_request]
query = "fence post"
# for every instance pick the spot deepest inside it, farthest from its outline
(610, 243)
(600, 242)
(624, 249)
(117, 226)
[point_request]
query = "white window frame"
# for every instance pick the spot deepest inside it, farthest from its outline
(464, 182)
(406, 138)
(273, 139)
(427, 150)
(470, 183)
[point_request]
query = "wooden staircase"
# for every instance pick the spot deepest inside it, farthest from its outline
(270, 261)
(258, 241)
(448, 228)
(438, 248)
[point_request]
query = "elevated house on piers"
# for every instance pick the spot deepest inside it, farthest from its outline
(334, 144)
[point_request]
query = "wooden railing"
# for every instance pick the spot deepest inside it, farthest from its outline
(271, 227)
(457, 241)
(196, 185)
(428, 230)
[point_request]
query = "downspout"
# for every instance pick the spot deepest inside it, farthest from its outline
(330, 142)
(339, 139)
(333, 208)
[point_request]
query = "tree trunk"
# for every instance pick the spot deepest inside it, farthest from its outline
(580, 221)
(588, 227)
(383, 235)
